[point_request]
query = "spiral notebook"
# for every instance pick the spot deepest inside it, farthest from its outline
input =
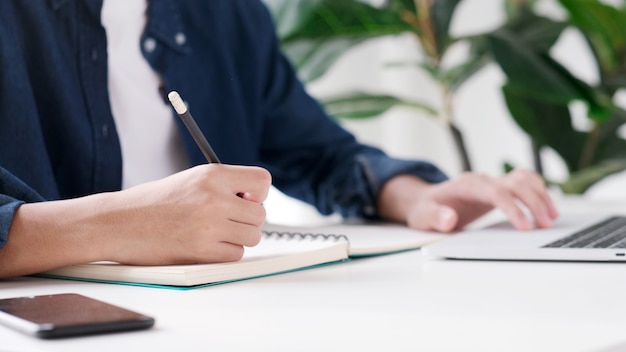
(282, 249)
(368, 238)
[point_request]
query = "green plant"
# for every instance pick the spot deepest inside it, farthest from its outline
(539, 90)
(314, 33)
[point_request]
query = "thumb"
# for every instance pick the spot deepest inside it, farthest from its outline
(434, 217)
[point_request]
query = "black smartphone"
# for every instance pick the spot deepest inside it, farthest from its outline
(68, 314)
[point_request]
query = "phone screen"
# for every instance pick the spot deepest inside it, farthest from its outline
(68, 314)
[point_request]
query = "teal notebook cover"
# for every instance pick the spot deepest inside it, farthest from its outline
(277, 253)
(186, 288)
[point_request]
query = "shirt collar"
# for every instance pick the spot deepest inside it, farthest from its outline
(165, 24)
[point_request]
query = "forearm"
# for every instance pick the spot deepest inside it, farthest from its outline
(194, 216)
(47, 235)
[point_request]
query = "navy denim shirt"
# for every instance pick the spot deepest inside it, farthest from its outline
(57, 135)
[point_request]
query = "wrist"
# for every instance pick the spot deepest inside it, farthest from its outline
(399, 195)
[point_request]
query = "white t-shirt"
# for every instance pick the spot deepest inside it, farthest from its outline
(150, 141)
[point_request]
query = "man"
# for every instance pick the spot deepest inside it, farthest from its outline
(94, 164)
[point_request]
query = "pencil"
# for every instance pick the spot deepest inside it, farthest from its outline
(192, 127)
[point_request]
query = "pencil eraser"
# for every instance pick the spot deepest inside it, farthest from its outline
(177, 102)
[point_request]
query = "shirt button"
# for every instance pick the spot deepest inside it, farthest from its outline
(149, 45)
(369, 210)
(180, 38)
(105, 130)
(94, 54)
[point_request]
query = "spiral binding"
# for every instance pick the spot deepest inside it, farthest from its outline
(305, 235)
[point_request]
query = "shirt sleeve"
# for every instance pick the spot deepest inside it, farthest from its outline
(13, 193)
(312, 158)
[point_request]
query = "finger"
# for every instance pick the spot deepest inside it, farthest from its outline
(431, 216)
(224, 252)
(245, 212)
(205, 250)
(504, 200)
(539, 185)
(242, 235)
(554, 212)
(530, 189)
(235, 180)
(532, 199)
(222, 240)
(542, 190)
(248, 196)
(252, 183)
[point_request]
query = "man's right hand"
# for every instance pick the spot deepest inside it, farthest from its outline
(195, 216)
(201, 215)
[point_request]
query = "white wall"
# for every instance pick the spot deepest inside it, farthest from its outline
(491, 136)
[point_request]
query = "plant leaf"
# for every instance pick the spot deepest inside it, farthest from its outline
(441, 14)
(537, 32)
(318, 32)
(290, 15)
(363, 105)
(538, 75)
(312, 58)
(616, 80)
(599, 103)
(479, 58)
(611, 145)
(580, 181)
(547, 124)
(333, 18)
(507, 167)
(528, 70)
(517, 8)
(605, 28)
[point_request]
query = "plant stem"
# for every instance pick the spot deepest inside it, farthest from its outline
(460, 146)
(537, 157)
(447, 114)
(426, 27)
(590, 147)
(427, 36)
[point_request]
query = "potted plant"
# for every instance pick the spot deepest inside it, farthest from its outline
(315, 33)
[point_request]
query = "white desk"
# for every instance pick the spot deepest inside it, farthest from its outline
(400, 302)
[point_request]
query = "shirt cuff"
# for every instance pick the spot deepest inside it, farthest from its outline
(8, 207)
(378, 169)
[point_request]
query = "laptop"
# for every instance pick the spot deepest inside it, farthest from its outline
(573, 237)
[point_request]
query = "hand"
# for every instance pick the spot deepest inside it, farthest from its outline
(194, 216)
(451, 205)
(201, 215)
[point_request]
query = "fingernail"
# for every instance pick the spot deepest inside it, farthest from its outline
(445, 219)
(544, 220)
(554, 212)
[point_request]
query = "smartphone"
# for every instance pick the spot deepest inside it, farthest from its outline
(68, 314)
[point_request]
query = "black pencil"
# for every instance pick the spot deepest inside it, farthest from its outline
(190, 123)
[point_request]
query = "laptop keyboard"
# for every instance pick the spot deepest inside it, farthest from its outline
(610, 233)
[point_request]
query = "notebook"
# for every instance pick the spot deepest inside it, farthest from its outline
(282, 249)
(367, 238)
(573, 237)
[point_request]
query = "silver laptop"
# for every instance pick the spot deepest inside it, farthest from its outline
(573, 237)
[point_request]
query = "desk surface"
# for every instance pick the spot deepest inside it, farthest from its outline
(399, 302)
